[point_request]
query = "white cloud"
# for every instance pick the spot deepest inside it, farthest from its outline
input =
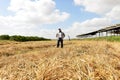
(31, 12)
(88, 26)
(114, 13)
(37, 12)
(99, 6)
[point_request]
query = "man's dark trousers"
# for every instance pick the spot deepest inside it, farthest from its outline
(60, 41)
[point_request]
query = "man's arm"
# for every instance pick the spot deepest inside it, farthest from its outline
(57, 35)
(63, 35)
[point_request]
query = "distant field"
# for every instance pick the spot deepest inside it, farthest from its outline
(78, 60)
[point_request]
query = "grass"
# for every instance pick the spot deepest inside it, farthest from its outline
(78, 60)
(107, 38)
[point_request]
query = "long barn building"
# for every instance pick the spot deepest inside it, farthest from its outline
(108, 31)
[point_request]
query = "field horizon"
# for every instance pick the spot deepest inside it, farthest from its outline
(78, 60)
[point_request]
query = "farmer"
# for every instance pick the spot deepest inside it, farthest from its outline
(60, 35)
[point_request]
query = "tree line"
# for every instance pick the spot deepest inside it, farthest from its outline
(22, 38)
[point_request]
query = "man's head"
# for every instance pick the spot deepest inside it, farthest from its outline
(60, 30)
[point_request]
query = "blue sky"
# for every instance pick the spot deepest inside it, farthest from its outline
(44, 17)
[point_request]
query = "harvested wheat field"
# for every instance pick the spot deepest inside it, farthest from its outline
(78, 60)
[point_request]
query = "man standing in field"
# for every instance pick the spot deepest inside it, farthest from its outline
(60, 35)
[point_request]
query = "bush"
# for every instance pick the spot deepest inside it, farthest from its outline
(4, 37)
(22, 38)
(28, 38)
(17, 38)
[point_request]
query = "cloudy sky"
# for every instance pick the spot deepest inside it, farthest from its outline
(44, 17)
